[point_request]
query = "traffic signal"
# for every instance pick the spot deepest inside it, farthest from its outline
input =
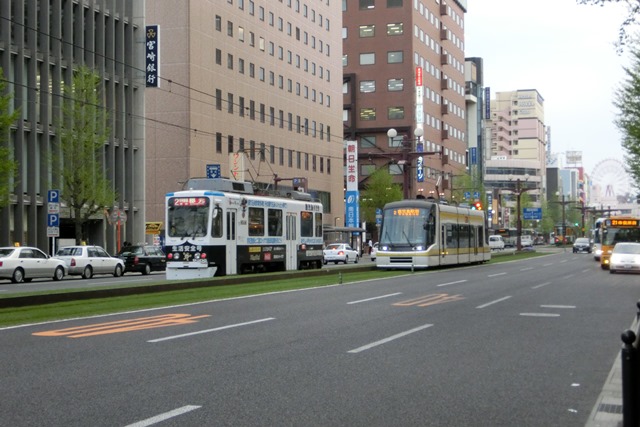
(477, 206)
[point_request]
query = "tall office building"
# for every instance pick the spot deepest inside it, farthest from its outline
(41, 43)
(404, 69)
(249, 88)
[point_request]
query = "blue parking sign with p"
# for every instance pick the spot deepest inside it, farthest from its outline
(53, 196)
(53, 220)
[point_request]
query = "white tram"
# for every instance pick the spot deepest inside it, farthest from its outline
(220, 227)
(422, 233)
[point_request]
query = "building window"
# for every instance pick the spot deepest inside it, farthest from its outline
(241, 65)
(367, 86)
(218, 142)
(230, 144)
(394, 85)
(230, 28)
(218, 99)
(252, 150)
(367, 30)
(218, 23)
(218, 57)
(394, 3)
(394, 57)
(368, 141)
(395, 113)
(367, 114)
(367, 58)
(241, 106)
(345, 60)
(395, 29)
(230, 103)
(230, 61)
(367, 4)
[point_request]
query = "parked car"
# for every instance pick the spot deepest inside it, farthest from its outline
(24, 263)
(582, 244)
(89, 260)
(496, 242)
(374, 251)
(143, 258)
(625, 257)
(339, 252)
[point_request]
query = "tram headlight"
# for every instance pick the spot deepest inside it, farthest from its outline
(419, 248)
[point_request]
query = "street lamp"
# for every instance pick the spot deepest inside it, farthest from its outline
(408, 154)
(564, 225)
(518, 192)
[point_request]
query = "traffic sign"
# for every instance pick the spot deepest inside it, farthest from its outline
(532, 213)
(53, 220)
(53, 231)
(53, 196)
(213, 171)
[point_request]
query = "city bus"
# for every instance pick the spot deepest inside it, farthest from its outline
(420, 234)
(221, 227)
(617, 229)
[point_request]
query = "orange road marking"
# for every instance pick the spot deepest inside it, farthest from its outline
(123, 326)
(431, 299)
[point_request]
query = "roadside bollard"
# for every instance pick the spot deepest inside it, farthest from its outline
(630, 380)
(339, 278)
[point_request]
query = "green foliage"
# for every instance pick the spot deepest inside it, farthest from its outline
(379, 190)
(628, 120)
(468, 183)
(83, 134)
(8, 165)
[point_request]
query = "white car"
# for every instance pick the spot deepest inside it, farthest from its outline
(339, 252)
(24, 263)
(526, 241)
(496, 242)
(625, 257)
(90, 260)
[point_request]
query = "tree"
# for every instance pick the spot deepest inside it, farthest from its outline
(627, 101)
(633, 11)
(8, 165)
(379, 190)
(83, 134)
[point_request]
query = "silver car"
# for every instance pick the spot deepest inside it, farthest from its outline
(625, 257)
(89, 260)
(24, 263)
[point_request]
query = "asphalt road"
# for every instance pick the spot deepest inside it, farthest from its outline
(527, 343)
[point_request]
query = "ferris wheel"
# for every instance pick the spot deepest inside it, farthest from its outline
(610, 182)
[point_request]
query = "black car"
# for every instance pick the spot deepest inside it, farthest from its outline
(143, 258)
(582, 244)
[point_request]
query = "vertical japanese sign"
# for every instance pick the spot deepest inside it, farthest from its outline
(352, 205)
(487, 102)
(419, 121)
(236, 166)
(152, 53)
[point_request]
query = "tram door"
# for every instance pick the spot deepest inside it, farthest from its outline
(232, 245)
(292, 241)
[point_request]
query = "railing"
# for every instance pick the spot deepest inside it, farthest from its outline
(630, 355)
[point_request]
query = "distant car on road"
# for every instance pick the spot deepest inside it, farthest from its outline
(526, 241)
(582, 244)
(625, 257)
(339, 252)
(24, 263)
(143, 258)
(496, 242)
(89, 260)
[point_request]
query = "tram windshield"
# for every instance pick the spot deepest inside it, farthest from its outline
(410, 226)
(187, 217)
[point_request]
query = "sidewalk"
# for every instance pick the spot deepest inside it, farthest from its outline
(608, 409)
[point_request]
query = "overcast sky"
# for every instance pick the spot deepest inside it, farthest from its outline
(565, 51)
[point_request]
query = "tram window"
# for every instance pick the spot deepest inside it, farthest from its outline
(306, 224)
(216, 222)
(256, 222)
(318, 224)
(275, 222)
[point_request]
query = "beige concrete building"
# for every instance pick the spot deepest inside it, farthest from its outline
(261, 78)
(517, 126)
